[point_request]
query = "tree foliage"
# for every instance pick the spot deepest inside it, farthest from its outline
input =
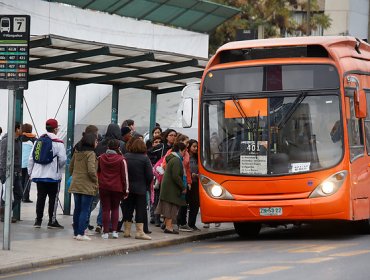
(276, 17)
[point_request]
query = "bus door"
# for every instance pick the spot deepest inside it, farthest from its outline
(359, 159)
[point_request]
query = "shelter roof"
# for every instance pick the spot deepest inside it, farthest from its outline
(54, 57)
(196, 15)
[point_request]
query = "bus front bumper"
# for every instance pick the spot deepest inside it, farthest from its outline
(336, 207)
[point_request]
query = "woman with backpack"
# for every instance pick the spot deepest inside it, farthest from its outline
(84, 185)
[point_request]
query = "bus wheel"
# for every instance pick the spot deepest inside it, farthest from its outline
(247, 230)
(364, 226)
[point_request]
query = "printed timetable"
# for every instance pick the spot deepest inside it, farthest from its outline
(14, 51)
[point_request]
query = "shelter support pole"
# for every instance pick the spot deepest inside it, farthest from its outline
(153, 112)
(18, 118)
(70, 141)
(9, 170)
(115, 100)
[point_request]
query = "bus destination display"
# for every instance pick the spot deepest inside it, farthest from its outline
(14, 51)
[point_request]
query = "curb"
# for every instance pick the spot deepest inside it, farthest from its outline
(123, 250)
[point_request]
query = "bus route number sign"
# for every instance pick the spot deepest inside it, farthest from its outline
(14, 51)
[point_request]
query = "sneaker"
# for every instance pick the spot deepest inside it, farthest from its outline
(105, 236)
(206, 225)
(83, 238)
(89, 232)
(217, 224)
(195, 228)
(185, 228)
(90, 227)
(171, 231)
(37, 224)
(115, 234)
(98, 229)
(55, 225)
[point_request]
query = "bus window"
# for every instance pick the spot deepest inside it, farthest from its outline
(367, 123)
(355, 133)
(288, 140)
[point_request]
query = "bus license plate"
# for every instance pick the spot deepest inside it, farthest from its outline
(271, 211)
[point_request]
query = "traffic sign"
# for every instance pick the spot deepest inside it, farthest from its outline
(14, 51)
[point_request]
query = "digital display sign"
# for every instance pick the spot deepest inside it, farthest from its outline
(14, 51)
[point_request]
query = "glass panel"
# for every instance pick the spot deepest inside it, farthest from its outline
(353, 126)
(300, 133)
(367, 123)
(271, 78)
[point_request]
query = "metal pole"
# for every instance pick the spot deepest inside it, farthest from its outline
(18, 118)
(70, 140)
(115, 99)
(153, 112)
(9, 170)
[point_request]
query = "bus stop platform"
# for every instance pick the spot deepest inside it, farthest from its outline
(40, 247)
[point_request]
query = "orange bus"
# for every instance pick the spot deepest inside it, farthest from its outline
(284, 134)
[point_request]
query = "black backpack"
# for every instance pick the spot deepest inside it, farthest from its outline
(43, 150)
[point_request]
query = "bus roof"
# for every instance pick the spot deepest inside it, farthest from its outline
(336, 47)
(325, 41)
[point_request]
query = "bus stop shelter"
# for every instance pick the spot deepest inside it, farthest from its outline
(81, 62)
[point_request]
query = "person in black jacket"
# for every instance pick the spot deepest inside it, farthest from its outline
(140, 175)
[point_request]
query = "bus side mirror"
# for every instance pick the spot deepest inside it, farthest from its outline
(187, 112)
(360, 104)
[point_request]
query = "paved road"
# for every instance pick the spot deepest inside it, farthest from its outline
(309, 252)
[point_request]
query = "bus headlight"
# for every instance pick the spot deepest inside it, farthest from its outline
(213, 189)
(330, 185)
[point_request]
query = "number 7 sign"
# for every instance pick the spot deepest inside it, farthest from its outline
(19, 24)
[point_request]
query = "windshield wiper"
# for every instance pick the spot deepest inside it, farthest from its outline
(257, 128)
(242, 113)
(292, 109)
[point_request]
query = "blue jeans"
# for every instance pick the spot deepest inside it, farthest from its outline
(81, 212)
(99, 218)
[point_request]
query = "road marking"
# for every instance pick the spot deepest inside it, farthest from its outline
(149, 263)
(211, 246)
(166, 254)
(227, 278)
(351, 253)
(315, 260)
(313, 249)
(33, 271)
(266, 270)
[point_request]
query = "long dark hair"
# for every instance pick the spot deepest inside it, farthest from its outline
(191, 142)
(114, 145)
(87, 142)
(165, 134)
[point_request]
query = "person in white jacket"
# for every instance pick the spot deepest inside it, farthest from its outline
(48, 176)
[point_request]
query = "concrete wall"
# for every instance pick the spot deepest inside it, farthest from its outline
(349, 17)
(44, 97)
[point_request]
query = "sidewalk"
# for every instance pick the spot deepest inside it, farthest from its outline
(33, 248)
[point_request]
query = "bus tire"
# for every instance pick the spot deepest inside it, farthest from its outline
(247, 230)
(364, 226)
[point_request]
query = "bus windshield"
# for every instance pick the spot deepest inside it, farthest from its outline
(271, 132)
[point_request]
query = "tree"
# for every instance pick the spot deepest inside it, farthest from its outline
(274, 15)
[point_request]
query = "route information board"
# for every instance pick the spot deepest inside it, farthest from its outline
(14, 51)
